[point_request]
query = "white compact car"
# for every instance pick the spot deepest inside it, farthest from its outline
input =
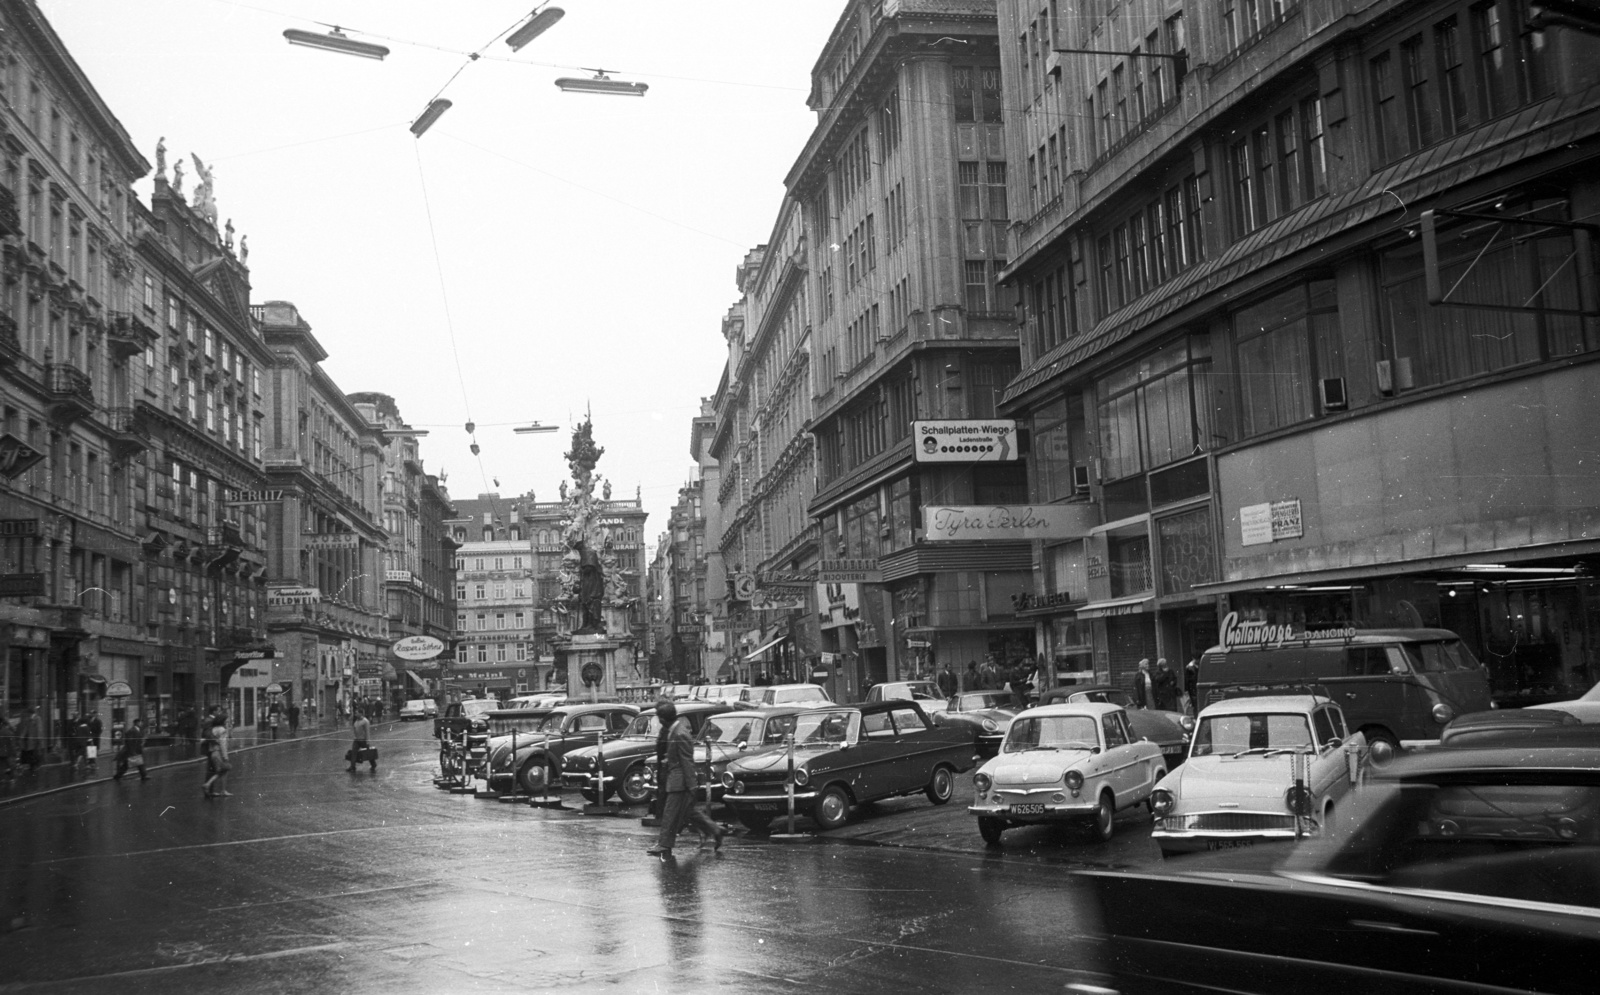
(419, 708)
(1585, 709)
(1266, 768)
(1078, 762)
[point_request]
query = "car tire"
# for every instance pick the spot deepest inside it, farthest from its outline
(535, 776)
(832, 808)
(942, 786)
(990, 829)
(1105, 818)
(756, 822)
(634, 788)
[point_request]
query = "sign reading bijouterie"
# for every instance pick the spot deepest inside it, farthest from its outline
(1240, 634)
(860, 570)
(965, 523)
(21, 585)
(949, 441)
(285, 597)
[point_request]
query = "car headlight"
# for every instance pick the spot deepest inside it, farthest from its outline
(990, 725)
(982, 782)
(1443, 713)
(1161, 802)
(738, 787)
(1075, 780)
(801, 776)
(727, 779)
(1298, 799)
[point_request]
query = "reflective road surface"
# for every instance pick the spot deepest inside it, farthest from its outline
(310, 879)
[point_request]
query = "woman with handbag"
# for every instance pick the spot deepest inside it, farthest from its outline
(217, 764)
(132, 752)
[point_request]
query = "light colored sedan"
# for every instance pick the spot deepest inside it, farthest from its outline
(1585, 709)
(1078, 762)
(1264, 768)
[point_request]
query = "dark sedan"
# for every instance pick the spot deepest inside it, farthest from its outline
(732, 735)
(535, 762)
(1473, 870)
(986, 715)
(849, 755)
(1168, 730)
(628, 759)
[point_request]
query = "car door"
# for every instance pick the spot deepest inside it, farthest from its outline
(918, 748)
(1119, 764)
(1329, 774)
(873, 761)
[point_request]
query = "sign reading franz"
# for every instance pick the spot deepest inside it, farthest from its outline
(1263, 523)
(1239, 634)
(955, 441)
(957, 523)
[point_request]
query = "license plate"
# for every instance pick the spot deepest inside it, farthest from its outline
(1027, 810)
(765, 807)
(1229, 844)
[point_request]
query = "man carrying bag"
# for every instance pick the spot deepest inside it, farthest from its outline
(359, 748)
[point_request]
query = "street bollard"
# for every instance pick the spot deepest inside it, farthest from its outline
(788, 786)
(515, 797)
(599, 779)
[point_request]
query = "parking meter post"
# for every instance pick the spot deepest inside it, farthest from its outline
(788, 783)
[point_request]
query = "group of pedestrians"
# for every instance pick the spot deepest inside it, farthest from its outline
(1161, 690)
(22, 743)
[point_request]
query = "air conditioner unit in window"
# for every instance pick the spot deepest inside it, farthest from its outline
(1385, 376)
(1333, 394)
(1080, 478)
(1402, 374)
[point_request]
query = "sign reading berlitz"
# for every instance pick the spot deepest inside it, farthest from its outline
(957, 441)
(964, 523)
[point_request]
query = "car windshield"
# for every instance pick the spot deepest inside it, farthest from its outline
(552, 722)
(826, 727)
(790, 695)
(1263, 733)
(984, 699)
(1052, 732)
(1109, 697)
(1525, 836)
(477, 706)
(646, 724)
(1440, 657)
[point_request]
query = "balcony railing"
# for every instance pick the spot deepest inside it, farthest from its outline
(126, 432)
(128, 335)
(70, 392)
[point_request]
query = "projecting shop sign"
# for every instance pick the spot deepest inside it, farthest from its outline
(284, 597)
(948, 441)
(964, 523)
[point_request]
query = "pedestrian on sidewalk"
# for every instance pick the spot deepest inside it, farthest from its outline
(947, 682)
(272, 722)
(31, 740)
(95, 729)
(132, 752)
(77, 739)
(680, 785)
(361, 733)
(294, 719)
(8, 747)
(217, 762)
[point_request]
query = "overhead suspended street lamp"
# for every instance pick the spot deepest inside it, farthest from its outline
(531, 429)
(538, 23)
(335, 41)
(601, 83)
(431, 114)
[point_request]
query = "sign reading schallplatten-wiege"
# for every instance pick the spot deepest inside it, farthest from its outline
(961, 441)
(964, 523)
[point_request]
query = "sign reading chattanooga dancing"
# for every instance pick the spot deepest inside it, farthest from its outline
(1239, 634)
(952, 523)
(948, 441)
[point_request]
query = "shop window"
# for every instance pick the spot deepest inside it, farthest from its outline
(1155, 411)
(1059, 450)
(1128, 565)
(1188, 552)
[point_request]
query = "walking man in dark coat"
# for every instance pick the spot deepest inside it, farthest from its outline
(679, 784)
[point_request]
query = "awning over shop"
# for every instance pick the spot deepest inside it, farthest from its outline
(756, 653)
(419, 682)
(1520, 555)
(1115, 606)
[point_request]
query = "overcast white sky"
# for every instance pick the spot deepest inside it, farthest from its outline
(586, 245)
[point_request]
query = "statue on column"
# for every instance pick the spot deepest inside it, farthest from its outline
(161, 158)
(583, 568)
(204, 203)
(177, 178)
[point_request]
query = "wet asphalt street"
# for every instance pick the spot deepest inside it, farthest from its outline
(310, 879)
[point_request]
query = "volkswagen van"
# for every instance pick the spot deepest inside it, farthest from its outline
(1400, 687)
